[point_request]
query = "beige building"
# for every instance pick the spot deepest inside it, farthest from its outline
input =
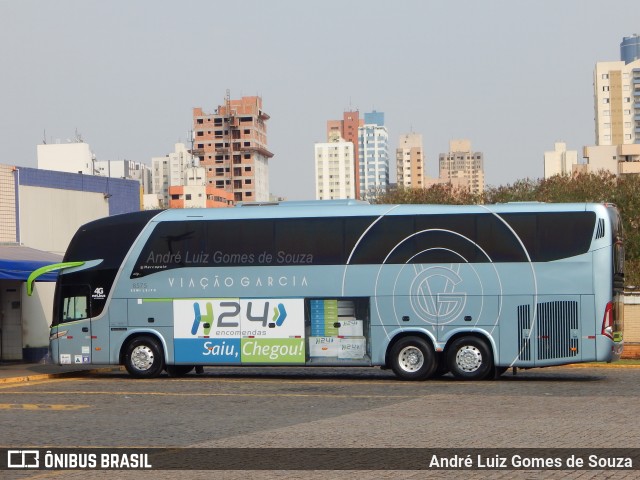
(616, 159)
(616, 85)
(410, 167)
(462, 167)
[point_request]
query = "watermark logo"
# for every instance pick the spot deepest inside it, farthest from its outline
(23, 459)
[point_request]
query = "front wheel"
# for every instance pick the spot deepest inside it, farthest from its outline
(469, 358)
(143, 358)
(412, 358)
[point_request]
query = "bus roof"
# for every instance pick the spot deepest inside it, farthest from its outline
(324, 208)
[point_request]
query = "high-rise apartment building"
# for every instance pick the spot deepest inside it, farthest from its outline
(232, 146)
(373, 160)
(180, 182)
(410, 168)
(169, 171)
(463, 168)
(347, 128)
(335, 167)
(617, 113)
(617, 100)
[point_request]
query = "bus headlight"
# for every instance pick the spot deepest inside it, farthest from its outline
(55, 336)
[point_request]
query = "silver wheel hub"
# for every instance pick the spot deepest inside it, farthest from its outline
(410, 359)
(142, 357)
(469, 359)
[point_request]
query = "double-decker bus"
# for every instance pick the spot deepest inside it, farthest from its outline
(421, 289)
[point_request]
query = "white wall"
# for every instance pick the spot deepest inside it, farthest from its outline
(49, 217)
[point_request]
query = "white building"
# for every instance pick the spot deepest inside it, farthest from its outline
(169, 171)
(560, 161)
(125, 169)
(335, 164)
(72, 157)
(410, 168)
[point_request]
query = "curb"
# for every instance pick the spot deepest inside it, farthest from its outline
(46, 376)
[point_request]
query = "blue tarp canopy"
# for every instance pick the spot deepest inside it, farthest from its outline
(17, 263)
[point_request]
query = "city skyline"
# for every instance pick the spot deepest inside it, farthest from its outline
(511, 77)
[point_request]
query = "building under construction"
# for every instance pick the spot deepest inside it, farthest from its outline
(232, 146)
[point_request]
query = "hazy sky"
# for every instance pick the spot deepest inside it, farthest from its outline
(511, 76)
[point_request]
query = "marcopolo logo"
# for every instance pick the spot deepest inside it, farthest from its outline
(231, 312)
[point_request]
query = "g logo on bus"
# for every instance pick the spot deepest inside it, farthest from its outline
(433, 295)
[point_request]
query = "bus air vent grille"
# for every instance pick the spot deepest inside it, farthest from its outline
(600, 229)
(557, 325)
(524, 332)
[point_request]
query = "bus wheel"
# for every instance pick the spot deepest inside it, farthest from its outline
(143, 358)
(412, 358)
(178, 370)
(469, 358)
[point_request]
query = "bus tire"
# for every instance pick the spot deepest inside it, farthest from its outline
(412, 358)
(178, 370)
(143, 357)
(469, 358)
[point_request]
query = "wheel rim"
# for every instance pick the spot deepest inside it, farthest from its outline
(142, 357)
(411, 359)
(469, 358)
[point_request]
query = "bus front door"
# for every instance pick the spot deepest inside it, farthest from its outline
(74, 326)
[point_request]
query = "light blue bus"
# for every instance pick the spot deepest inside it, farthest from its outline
(421, 289)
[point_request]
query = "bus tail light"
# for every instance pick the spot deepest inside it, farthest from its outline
(607, 321)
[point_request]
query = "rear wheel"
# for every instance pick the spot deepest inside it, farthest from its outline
(143, 358)
(469, 358)
(412, 358)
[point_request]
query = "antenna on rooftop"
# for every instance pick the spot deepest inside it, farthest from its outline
(44, 137)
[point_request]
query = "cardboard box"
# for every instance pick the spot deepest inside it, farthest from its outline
(352, 347)
(323, 346)
(350, 327)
